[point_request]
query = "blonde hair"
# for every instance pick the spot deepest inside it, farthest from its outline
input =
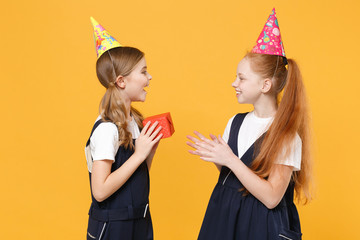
(111, 64)
(291, 118)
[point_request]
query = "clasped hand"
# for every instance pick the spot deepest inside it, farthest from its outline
(147, 143)
(214, 150)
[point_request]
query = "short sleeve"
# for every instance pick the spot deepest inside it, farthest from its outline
(227, 130)
(294, 158)
(104, 142)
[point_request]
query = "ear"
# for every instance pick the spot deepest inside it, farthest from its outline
(120, 82)
(266, 86)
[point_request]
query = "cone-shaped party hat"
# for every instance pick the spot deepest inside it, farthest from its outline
(269, 41)
(103, 40)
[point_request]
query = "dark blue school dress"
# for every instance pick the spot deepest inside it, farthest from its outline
(125, 214)
(232, 216)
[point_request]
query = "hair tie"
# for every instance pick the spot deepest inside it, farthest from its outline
(285, 61)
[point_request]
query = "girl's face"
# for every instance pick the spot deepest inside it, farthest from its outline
(136, 81)
(247, 84)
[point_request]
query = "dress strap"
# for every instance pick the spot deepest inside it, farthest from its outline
(93, 129)
(233, 143)
(234, 131)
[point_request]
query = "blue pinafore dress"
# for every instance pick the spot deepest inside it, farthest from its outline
(232, 216)
(125, 214)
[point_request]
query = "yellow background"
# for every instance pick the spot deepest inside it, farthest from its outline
(50, 96)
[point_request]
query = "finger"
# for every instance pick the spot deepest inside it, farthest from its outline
(211, 143)
(155, 133)
(199, 153)
(203, 153)
(200, 135)
(143, 131)
(195, 140)
(192, 145)
(221, 140)
(151, 129)
(195, 146)
(214, 138)
(157, 139)
(193, 152)
(206, 159)
(205, 146)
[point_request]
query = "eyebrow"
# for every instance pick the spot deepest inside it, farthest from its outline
(145, 67)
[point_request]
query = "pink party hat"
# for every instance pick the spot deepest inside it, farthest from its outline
(103, 40)
(269, 41)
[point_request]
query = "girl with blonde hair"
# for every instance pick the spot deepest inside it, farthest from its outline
(120, 149)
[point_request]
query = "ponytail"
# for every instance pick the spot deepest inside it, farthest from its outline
(290, 119)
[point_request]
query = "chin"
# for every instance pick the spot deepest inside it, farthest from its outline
(140, 100)
(240, 100)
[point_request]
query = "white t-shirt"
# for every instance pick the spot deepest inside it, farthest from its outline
(252, 128)
(104, 142)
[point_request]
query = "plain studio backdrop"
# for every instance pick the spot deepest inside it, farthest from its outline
(50, 97)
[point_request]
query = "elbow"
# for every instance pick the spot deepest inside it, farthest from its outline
(99, 198)
(272, 203)
(99, 195)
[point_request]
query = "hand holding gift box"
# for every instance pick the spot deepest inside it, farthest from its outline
(164, 121)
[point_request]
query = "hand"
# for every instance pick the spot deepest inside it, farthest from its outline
(148, 140)
(215, 150)
(153, 150)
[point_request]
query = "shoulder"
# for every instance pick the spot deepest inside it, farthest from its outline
(105, 130)
(230, 123)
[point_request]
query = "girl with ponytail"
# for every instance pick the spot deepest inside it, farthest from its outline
(120, 149)
(264, 155)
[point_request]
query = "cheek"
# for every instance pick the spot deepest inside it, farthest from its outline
(141, 82)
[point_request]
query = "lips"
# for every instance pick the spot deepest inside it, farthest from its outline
(145, 87)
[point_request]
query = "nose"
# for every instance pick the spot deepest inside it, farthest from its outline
(149, 76)
(235, 84)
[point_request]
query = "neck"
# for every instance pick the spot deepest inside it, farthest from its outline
(265, 107)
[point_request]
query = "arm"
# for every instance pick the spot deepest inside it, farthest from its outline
(269, 192)
(104, 182)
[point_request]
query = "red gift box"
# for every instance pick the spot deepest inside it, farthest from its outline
(165, 122)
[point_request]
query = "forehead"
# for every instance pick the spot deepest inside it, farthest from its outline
(141, 64)
(244, 66)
